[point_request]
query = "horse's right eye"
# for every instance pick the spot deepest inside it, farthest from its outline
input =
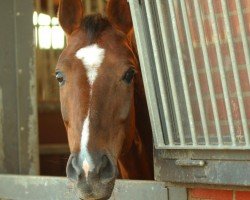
(60, 78)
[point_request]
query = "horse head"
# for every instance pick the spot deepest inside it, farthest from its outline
(96, 76)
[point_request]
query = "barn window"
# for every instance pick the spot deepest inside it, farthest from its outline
(195, 62)
(48, 33)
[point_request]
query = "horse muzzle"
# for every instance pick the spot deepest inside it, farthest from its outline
(93, 179)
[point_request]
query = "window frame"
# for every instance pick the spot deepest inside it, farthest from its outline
(184, 165)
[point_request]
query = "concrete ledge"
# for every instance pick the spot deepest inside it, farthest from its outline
(58, 188)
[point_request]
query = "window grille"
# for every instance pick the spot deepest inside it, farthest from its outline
(203, 81)
(48, 33)
(194, 57)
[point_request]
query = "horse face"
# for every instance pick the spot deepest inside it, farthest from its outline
(95, 73)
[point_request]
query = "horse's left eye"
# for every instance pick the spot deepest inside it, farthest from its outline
(129, 75)
(60, 77)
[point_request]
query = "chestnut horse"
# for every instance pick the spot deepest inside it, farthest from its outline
(102, 99)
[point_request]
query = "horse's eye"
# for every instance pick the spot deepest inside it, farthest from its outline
(129, 75)
(60, 77)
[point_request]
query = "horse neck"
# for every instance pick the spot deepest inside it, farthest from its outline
(137, 163)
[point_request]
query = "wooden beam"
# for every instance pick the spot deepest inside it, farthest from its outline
(18, 134)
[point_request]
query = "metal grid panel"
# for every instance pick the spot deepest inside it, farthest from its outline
(200, 81)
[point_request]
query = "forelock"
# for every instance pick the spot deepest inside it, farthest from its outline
(94, 25)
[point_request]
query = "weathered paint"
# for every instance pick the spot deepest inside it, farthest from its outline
(18, 84)
(40, 188)
(2, 168)
(27, 135)
(33, 150)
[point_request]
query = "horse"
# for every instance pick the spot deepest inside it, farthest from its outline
(102, 99)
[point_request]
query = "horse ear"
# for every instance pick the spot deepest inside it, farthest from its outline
(70, 15)
(119, 15)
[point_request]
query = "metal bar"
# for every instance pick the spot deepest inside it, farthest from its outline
(208, 72)
(244, 37)
(211, 147)
(206, 154)
(183, 74)
(170, 71)
(222, 73)
(145, 53)
(58, 188)
(160, 75)
(195, 72)
(235, 72)
(190, 163)
(216, 172)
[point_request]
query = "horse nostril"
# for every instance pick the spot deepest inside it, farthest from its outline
(107, 170)
(105, 161)
(73, 169)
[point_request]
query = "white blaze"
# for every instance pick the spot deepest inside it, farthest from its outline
(84, 155)
(92, 57)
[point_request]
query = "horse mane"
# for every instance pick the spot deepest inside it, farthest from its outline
(94, 25)
(144, 130)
